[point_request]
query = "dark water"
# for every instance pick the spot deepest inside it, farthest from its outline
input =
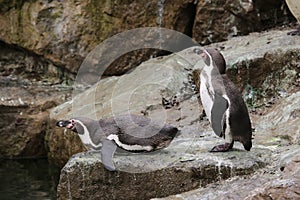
(28, 179)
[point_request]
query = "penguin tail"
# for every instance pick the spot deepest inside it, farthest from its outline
(170, 131)
(247, 145)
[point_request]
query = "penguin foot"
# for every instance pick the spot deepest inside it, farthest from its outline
(292, 33)
(222, 147)
(295, 32)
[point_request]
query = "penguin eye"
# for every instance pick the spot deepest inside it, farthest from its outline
(72, 121)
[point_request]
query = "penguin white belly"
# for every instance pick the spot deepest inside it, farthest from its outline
(206, 99)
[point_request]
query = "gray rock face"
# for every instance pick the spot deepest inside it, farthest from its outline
(65, 31)
(270, 182)
(27, 90)
(188, 170)
(186, 164)
(24, 118)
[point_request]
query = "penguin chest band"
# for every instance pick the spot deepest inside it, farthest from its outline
(86, 138)
(128, 147)
(206, 97)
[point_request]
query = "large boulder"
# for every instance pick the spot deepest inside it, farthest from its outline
(185, 161)
(148, 92)
(278, 180)
(152, 89)
(220, 20)
(24, 119)
(147, 176)
(28, 88)
(65, 31)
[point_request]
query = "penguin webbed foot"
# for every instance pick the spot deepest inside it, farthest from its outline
(293, 33)
(222, 147)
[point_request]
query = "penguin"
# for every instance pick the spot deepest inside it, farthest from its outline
(294, 7)
(223, 103)
(133, 133)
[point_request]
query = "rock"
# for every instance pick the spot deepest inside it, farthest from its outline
(139, 92)
(131, 91)
(186, 170)
(24, 118)
(273, 56)
(28, 88)
(278, 180)
(285, 187)
(217, 21)
(186, 160)
(63, 32)
(272, 127)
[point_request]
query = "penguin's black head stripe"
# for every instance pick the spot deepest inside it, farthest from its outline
(218, 59)
(198, 51)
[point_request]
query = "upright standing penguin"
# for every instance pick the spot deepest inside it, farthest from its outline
(223, 103)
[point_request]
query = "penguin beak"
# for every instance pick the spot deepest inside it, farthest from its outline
(204, 54)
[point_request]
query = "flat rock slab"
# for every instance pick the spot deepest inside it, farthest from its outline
(279, 180)
(186, 164)
(183, 166)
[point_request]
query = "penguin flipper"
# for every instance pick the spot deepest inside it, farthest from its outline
(218, 110)
(107, 153)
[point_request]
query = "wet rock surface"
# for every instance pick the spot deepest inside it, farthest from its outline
(145, 176)
(186, 164)
(271, 182)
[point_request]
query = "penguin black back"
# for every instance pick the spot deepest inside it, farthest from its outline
(218, 59)
(240, 124)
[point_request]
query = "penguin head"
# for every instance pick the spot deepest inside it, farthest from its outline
(213, 55)
(80, 125)
(69, 124)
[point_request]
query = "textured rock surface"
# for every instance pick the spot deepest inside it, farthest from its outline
(28, 88)
(141, 91)
(186, 160)
(219, 20)
(25, 117)
(65, 31)
(131, 91)
(189, 169)
(279, 179)
(271, 182)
